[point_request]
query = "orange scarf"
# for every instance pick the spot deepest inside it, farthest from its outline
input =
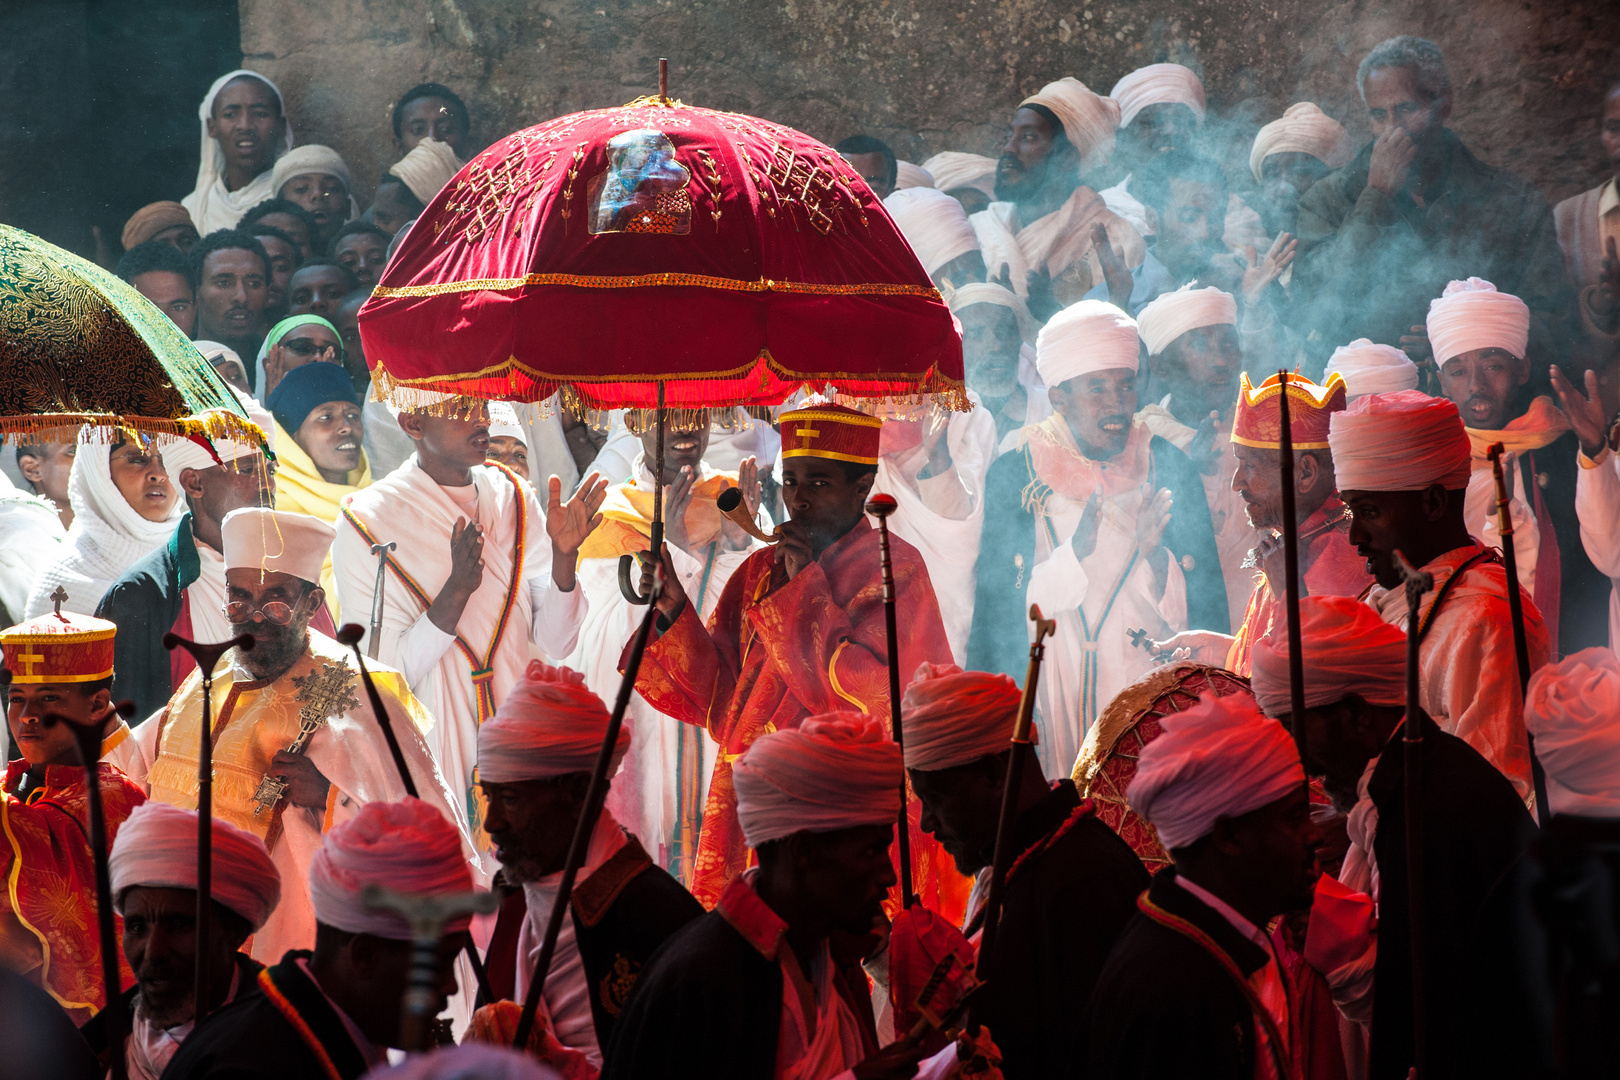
(1061, 468)
(1542, 423)
(627, 518)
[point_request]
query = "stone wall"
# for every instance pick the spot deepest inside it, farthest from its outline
(926, 75)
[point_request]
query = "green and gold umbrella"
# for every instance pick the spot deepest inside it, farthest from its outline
(78, 346)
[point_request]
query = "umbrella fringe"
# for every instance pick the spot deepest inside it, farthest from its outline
(108, 428)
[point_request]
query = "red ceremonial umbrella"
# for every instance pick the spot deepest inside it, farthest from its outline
(728, 259)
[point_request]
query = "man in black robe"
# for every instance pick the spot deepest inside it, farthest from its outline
(337, 1010)
(1194, 988)
(1475, 830)
(535, 757)
(752, 987)
(1075, 887)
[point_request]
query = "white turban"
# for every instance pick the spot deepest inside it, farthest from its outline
(157, 849)
(1158, 84)
(429, 166)
(908, 175)
(181, 454)
(276, 542)
(954, 169)
(1220, 758)
(1572, 710)
(549, 725)
(1089, 121)
(1372, 369)
(503, 422)
(1092, 335)
(1473, 315)
(933, 223)
(310, 158)
(1348, 650)
(835, 771)
(1302, 129)
(951, 717)
(1172, 314)
(407, 846)
(1406, 441)
(988, 292)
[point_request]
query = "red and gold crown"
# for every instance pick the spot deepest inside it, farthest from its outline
(1258, 420)
(831, 431)
(62, 647)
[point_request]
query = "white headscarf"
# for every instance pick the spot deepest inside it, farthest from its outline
(1158, 84)
(429, 166)
(212, 207)
(1400, 442)
(314, 159)
(933, 223)
(909, 175)
(1302, 129)
(1092, 335)
(1089, 121)
(956, 169)
(1570, 708)
(107, 536)
(1172, 314)
(1372, 369)
(1473, 315)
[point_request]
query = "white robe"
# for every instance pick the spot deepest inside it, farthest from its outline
(1597, 506)
(410, 508)
(943, 516)
(210, 205)
(349, 750)
(31, 536)
(645, 796)
(1063, 586)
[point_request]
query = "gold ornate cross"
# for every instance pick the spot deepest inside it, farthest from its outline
(326, 691)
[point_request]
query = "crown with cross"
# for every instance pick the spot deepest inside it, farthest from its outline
(831, 431)
(59, 647)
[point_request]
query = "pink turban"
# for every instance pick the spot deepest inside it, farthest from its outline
(988, 292)
(952, 717)
(1092, 335)
(1372, 369)
(910, 175)
(407, 846)
(549, 725)
(954, 169)
(1572, 709)
(157, 849)
(835, 771)
(1400, 442)
(1348, 650)
(933, 223)
(1158, 84)
(1473, 315)
(1220, 758)
(1302, 129)
(1089, 121)
(1172, 314)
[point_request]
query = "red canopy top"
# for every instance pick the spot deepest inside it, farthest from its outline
(732, 259)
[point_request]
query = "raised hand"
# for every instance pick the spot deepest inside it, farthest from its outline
(1041, 301)
(677, 497)
(466, 574)
(938, 446)
(732, 536)
(1392, 156)
(1115, 272)
(1260, 273)
(1586, 412)
(1151, 522)
(1084, 540)
(569, 523)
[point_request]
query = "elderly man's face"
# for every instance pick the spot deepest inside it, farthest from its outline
(990, 347)
(959, 808)
(248, 123)
(1191, 227)
(160, 943)
(1098, 407)
(532, 823)
(1484, 385)
(1394, 99)
(275, 608)
(1202, 366)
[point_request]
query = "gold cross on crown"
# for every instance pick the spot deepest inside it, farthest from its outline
(59, 597)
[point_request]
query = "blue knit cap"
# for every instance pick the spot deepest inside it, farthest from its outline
(307, 387)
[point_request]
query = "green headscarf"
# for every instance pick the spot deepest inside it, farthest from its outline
(279, 331)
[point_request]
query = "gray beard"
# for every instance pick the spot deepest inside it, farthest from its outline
(270, 660)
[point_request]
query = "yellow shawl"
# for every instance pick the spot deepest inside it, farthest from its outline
(300, 489)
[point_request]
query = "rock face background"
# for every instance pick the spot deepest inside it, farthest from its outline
(928, 75)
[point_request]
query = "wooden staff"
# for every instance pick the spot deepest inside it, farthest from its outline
(1521, 646)
(206, 657)
(588, 814)
(1015, 778)
(1290, 532)
(1417, 583)
(880, 507)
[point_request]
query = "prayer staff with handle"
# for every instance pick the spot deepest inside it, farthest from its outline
(1417, 583)
(1290, 530)
(880, 507)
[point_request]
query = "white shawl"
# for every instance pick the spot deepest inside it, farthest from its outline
(211, 206)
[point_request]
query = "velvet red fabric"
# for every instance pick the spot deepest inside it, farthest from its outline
(734, 259)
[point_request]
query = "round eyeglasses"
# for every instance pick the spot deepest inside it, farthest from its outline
(240, 611)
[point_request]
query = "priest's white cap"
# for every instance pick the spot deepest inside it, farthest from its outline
(1174, 313)
(276, 542)
(1473, 315)
(1092, 335)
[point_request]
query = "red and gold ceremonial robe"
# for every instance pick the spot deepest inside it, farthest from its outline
(48, 928)
(778, 651)
(1328, 566)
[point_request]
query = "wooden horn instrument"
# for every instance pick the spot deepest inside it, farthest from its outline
(731, 504)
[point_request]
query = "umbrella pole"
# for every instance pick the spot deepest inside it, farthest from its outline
(1290, 531)
(880, 507)
(588, 815)
(627, 563)
(206, 657)
(1417, 583)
